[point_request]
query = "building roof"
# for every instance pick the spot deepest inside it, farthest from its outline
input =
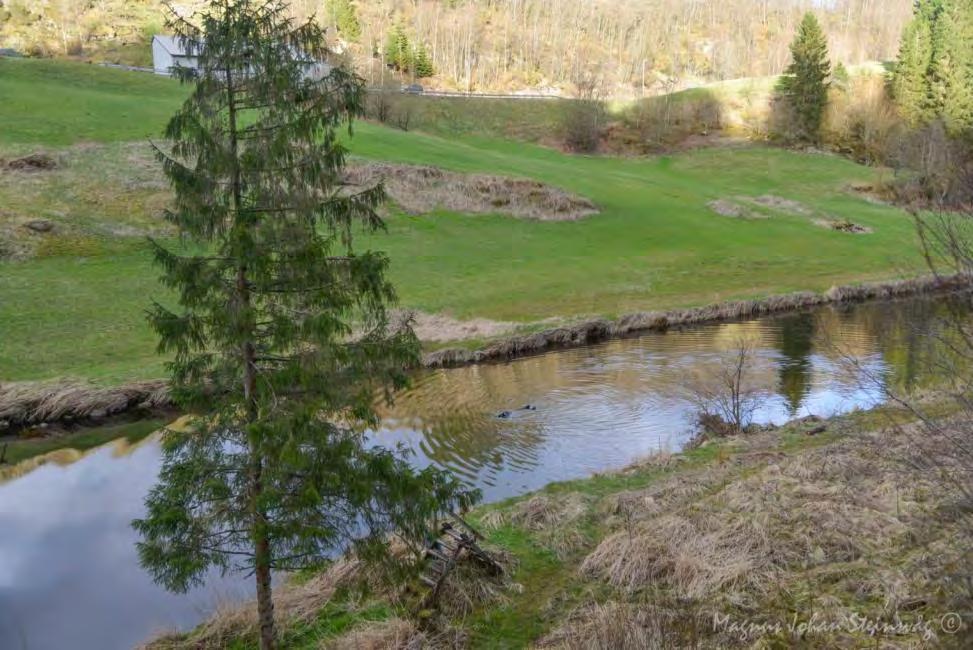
(174, 45)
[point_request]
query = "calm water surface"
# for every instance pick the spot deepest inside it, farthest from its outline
(69, 575)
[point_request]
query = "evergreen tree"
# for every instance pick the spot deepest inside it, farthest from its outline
(910, 80)
(929, 10)
(951, 74)
(343, 16)
(283, 338)
(422, 64)
(841, 80)
(398, 51)
(804, 84)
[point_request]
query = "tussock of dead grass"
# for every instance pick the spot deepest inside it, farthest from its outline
(398, 634)
(694, 556)
(393, 634)
(616, 626)
(469, 586)
(555, 520)
(26, 403)
(543, 511)
(711, 538)
(420, 189)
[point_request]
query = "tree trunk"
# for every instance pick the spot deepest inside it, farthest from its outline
(261, 544)
(265, 600)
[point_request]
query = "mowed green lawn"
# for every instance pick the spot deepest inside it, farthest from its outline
(655, 244)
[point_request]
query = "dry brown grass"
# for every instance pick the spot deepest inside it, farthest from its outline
(843, 225)
(35, 162)
(765, 524)
(420, 189)
(728, 208)
(617, 626)
(393, 634)
(469, 586)
(441, 327)
(782, 204)
(27, 403)
(694, 556)
(555, 520)
(398, 634)
(294, 604)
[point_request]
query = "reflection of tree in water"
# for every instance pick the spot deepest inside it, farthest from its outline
(795, 342)
(914, 342)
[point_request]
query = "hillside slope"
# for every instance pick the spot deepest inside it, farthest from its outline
(74, 305)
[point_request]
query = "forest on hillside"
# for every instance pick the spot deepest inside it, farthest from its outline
(625, 47)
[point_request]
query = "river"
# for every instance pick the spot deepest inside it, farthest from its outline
(69, 575)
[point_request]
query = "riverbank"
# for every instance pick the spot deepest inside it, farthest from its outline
(30, 406)
(779, 537)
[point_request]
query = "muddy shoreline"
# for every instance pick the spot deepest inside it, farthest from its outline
(36, 405)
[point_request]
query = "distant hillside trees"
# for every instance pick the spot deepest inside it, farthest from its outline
(422, 64)
(398, 51)
(343, 16)
(408, 58)
(910, 82)
(804, 85)
(933, 77)
(506, 44)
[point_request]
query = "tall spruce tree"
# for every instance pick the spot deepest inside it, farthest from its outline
(422, 64)
(342, 14)
(951, 73)
(804, 84)
(910, 79)
(398, 51)
(282, 340)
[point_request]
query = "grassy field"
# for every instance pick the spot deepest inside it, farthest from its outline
(75, 305)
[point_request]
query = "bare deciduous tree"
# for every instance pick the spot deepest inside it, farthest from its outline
(727, 396)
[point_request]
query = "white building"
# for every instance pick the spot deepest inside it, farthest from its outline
(169, 52)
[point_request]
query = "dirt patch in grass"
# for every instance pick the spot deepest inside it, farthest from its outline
(734, 209)
(843, 225)
(782, 204)
(35, 162)
(440, 327)
(420, 189)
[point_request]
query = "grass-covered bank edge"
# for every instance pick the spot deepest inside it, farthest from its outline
(28, 404)
(81, 439)
(840, 551)
(593, 331)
